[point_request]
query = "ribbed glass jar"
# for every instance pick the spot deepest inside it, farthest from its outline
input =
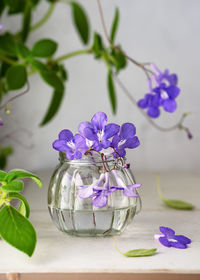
(78, 216)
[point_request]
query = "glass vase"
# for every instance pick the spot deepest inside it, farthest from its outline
(79, 216)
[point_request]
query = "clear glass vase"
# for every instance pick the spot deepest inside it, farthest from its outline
(79, 216)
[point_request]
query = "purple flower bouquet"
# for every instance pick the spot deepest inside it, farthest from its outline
(92, 191)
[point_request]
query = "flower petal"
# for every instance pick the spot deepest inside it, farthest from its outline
(129, 192)
(164, 241)
(168, 232)
(182, 239)
(169, 105)
(178, 245)
(173, 79)
(80, 141)
(70, 154)
(66, 135)
(99, 121)
(90, 134)
(77, 155)
(153, 112)
(115, 141)
(127, 130)
(60, 145)
(85, 191)
(100, 200)
(110, 130)
(132, 143)
(82, 126)
(173, 91)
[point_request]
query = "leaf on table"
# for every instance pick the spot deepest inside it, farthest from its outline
(178, 204)
(140, 253)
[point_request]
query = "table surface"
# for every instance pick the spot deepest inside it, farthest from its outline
(57, 252)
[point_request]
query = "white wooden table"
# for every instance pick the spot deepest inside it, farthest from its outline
(59, 256)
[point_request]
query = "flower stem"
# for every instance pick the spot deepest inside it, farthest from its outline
(116, 247)
(44, 18)
(7, 59)
(72, 54)
(159, 188)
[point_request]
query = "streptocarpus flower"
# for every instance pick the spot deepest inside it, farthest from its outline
(125, 139)
(163, 95)
(98, 131)
(1, 122)
(128, 190)
(168, 238)
(74, 146)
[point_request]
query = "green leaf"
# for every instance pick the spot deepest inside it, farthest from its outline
(23, 51)
(178, 204)
(52, 79)
(17, 230)
(140, 253)
(7, 45)
(24, 208)
(44, 48)
(15, 6)
(2, 175)
(19, 174)
(118, 59)
(53, 107)
(13, 186)
(4, 153)
(39, 66)
(2, 7)
(97, 47)
(114, 26)
(26, 21)
(16, 77)
(111, 90)
(81, 21)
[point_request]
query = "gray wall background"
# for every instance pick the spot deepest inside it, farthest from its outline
(166, 32)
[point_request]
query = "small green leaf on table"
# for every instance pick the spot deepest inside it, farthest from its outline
(16, 77)
(140, 253)
(172, 203)
(17, 230)
(44, 48)
(81, 21)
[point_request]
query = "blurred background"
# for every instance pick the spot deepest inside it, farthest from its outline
(159, 31)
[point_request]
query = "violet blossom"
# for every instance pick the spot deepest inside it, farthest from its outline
(74, 146)
(168, 238)
(1, 122)
(163, 95)
(125, 139)
(96, 192)
(98, 131)
(128, 190)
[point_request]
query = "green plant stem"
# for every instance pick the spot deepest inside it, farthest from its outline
(7, 59)
(72, 54)
(159, 188)
(44, 18)
(116, 247)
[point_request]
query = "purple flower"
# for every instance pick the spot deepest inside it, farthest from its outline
(98, 131)
(74, 146)
(163, 95)
(1, 122)
(1, 26)
(128, 190)
(125, 139)
(96, 192)
(168, 238)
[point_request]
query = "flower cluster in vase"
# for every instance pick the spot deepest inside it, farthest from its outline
(105, 139)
